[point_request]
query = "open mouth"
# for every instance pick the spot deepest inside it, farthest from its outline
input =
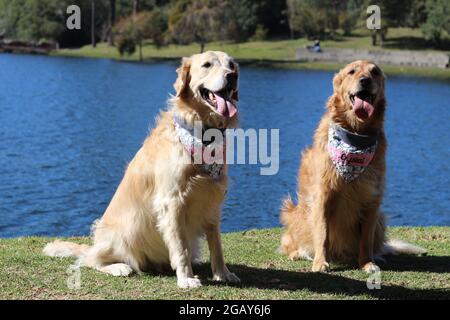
(362, 104)
(220, 101)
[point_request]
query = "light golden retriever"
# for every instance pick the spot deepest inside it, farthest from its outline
(341, 179)
(165, 202)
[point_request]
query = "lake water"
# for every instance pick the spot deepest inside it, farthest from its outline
(69, 126)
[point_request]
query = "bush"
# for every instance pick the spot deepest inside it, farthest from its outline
(438, 12)
(126, 44)
(347, 22)
(260, 33)
(132, 30)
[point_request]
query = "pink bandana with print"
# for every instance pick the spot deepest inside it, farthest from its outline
(208, 157)
(350, 153)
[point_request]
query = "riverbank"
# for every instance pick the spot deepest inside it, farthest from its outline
(280, 54)
(26, 274)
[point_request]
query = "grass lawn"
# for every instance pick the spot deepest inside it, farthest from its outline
(26, 274)
(278, 52)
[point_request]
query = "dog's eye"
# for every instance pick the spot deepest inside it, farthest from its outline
(206, 65)
(376, 71)
(351, 71)
(231, 65)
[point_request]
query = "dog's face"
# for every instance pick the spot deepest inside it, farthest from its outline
(209, 83)
(359, 90)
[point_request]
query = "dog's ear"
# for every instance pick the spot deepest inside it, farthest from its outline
(337, 80)
(182, 82)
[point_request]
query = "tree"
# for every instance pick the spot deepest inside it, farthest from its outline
(317, 18)
(132, 30)
(438, 20)
(306, 18)
(111, 21)
(93, 40)
(31, 20)
(197, 21)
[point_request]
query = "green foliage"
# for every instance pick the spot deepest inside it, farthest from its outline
(197, 21)
(32, 19)
(201, 21)
(260, 33)
(132, 30)
(438, 19)
(126, 45)
(306, 18)
(347, 22)
(321, 18)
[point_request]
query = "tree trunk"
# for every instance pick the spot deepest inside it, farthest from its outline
(112, 19)
(202, 47)
(136, 4)
(136, 32)
(383, 33)
(94, 44)
(374, 37)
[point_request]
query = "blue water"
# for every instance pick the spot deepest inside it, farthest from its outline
(69, 126)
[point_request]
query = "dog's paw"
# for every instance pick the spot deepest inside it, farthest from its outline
(226, 277)
(370, 267)
(188, 283)
(320, 266)
(293, 256)
(117, 269)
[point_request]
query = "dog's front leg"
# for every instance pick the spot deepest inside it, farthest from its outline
(219, 269)
(368, 226)
(319, 232)
(173, 229)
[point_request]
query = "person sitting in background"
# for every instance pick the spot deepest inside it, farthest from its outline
(315, 47)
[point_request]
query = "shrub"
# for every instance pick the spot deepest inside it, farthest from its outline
(260, 33)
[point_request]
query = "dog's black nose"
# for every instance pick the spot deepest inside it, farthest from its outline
(232, 79)
(365, 81)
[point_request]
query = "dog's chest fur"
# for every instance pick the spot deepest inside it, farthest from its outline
(347, 201)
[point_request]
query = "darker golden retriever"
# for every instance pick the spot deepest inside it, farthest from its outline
(341, 179)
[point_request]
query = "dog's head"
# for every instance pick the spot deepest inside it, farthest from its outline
(358, 97)
(208, 83)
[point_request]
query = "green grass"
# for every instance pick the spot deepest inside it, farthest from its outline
(26, 274)
(281, 53)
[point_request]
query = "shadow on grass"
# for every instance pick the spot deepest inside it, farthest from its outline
(415, 43)
(334, 284)
(436, 264)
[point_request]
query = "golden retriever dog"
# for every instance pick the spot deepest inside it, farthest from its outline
(166, 202)
(341, 179)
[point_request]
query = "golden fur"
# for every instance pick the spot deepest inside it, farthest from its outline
(336, 220)
(164, 205)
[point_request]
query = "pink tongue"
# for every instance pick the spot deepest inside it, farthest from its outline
(362, 108)
(224, 107)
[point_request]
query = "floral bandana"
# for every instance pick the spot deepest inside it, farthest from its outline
(350, 153)
(196, 147)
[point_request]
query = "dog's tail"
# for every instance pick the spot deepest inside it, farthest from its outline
(397, 247)
(288, 210)
(287, 218)
(64, 249)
